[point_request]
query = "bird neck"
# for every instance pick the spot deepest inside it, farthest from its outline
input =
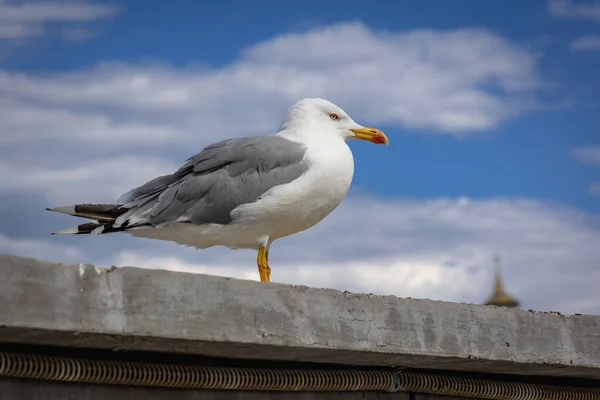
(311, 135)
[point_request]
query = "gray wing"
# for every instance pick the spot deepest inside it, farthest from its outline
(214, 182)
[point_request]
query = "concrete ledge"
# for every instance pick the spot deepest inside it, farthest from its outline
(139, 309)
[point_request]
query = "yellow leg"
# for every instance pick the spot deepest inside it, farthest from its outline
(263, 264)
(268, 268)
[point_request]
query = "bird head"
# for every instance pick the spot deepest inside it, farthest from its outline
(319, 117)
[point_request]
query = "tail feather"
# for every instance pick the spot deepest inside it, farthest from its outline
(86, 228)
(99, 212)
(104, 214)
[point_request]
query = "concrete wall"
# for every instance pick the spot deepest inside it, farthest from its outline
(142, 309)
(134, 309)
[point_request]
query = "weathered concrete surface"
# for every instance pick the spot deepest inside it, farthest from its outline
(141, 309)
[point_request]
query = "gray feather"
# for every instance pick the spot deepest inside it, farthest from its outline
(214, 182)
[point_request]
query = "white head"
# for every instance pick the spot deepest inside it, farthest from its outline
(315, 118)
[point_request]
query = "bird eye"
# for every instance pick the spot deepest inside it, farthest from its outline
(334, 117)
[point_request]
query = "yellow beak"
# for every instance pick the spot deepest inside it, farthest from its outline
(370, 134)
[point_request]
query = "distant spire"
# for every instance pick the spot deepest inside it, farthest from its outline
(499, 297)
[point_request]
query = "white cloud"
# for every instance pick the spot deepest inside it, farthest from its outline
(379, 276)
(458, 82)
(173, 263)
(451, 82)
(11, 30)
(587, 154)
(580, 9)
(440, 249)
(586, 43)
(102, 180)
(43, 11)
(22, 122)
(30, 18)
(40, 249)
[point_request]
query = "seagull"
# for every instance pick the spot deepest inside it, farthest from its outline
(246, 192)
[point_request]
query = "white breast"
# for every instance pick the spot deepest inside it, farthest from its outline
(294, 207)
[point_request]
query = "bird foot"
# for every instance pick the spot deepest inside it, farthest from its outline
(265, 273)
(263, 265)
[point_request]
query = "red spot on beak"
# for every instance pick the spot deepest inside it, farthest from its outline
(378, 139)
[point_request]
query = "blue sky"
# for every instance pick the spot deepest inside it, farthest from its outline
(492, 110)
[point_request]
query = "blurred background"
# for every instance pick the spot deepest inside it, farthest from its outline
(491, 178)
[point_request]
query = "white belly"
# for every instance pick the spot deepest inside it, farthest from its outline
(292, 208)
(281, 211)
